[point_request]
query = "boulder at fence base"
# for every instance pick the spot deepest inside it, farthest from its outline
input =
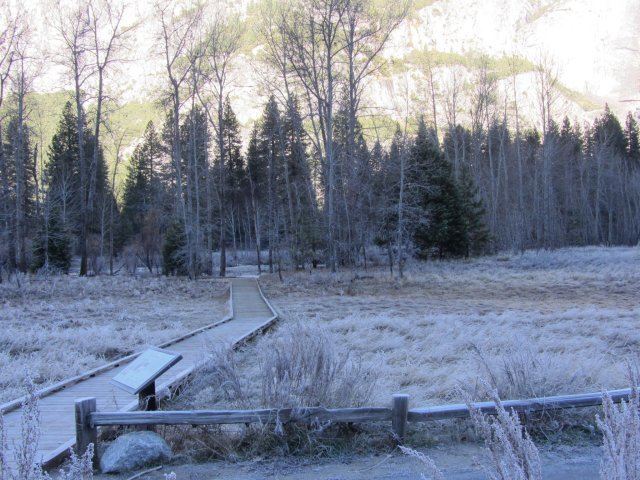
(134, 450)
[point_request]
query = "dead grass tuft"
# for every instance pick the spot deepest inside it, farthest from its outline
(620, 427)
(297, 366)
(302, 367)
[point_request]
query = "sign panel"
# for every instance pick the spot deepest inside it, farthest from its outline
(144, 370)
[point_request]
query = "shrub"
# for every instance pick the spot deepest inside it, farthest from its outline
(173, 261)
(513, 454)
(301, 367)
(620, 427)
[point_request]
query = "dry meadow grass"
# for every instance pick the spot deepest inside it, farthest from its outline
(56, 327)
(541, 323)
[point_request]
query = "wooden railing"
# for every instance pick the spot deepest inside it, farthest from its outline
(88, 419)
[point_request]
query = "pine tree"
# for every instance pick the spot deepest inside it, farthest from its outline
(441, 228)
(63, 174)
(270, 162)
(473, 212)
(353, 186)
(632, 140)
(63, 170)
(173, 251)
(235, 173)
(304, 229)
(144, 198)
(256, 176)
(18, 192)
(52, 246)
(387, 186)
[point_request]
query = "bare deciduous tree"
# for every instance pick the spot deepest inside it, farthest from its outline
(9, 34)
(73, 28)
(179, 24)
(221, 43)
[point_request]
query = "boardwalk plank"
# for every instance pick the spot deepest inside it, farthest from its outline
(57, 409)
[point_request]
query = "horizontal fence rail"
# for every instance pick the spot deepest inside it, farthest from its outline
(88, 419)
(530, 405)
(267, 416)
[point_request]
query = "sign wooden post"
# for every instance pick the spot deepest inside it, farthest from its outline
(139, 377)
(147, 400)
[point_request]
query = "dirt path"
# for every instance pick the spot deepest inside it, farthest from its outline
(456, 463)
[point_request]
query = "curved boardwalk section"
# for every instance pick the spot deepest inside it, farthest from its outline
(251, 313)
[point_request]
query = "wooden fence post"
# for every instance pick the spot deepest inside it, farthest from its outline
(399, 413)
(86, 433)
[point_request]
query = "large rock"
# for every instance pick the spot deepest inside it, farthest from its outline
(134, 450)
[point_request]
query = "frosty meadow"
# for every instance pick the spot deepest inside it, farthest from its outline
(434, 206)
(534, 324)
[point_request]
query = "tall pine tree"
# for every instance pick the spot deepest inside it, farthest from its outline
(440, 230)
(63, 181)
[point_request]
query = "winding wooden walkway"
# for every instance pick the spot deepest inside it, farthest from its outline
(251, 313)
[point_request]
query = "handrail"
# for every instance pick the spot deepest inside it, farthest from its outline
(89, 419)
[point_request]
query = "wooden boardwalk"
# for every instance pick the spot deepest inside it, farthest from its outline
(251, 313)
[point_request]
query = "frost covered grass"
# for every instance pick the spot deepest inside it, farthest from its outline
(620, 427)
(538, 324)
(297, 366)
(26, 464)
(541, 323)
(60, 326)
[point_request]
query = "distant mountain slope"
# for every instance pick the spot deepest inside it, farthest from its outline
(592, 44)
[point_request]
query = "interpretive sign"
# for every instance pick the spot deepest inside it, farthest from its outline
(144, 370)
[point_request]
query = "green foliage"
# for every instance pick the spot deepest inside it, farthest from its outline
(173, 255)
(607, 132)
(500, 67)
(142, 188)
(131, 118)
(52, 246)
(386, 188)
(234, 162)
(632, 139)
(581, 99)
(63, 173)
(473, 214)
(456, 146)
(45, 114)
(45, 108)
(440, 229)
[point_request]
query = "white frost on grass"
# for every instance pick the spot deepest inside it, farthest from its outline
(564, 319)
(58, 327)
(429, 355)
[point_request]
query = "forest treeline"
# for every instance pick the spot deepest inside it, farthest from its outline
(310, 186)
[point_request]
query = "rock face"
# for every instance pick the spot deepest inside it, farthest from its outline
(133, 451)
